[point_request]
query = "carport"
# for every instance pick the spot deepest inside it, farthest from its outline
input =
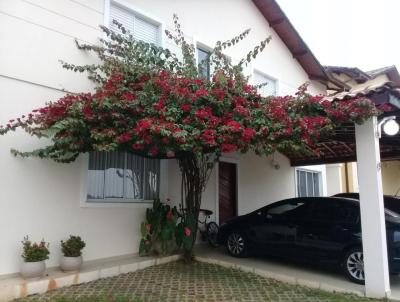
(367, 144)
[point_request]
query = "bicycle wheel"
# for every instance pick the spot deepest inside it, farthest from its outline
(212, 233)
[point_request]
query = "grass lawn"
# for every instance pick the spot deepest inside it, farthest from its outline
(176, 281)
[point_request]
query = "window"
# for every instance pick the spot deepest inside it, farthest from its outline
(203, 59)
(269, 89)
(122, 177)
(288, 209)
(308, 183)
(335, 212)
(140, 27)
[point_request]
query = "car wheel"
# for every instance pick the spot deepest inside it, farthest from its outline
(236, 244)
(353, 265)
(212, 234)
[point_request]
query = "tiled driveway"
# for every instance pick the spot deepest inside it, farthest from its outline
(176, 281)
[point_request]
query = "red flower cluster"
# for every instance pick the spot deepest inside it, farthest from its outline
(165, 115)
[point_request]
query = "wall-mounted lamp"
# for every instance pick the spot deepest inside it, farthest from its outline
(389, 125)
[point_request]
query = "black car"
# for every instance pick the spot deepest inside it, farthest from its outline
(323, 229)
(391, 202)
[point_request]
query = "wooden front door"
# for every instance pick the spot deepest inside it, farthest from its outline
(227, 191)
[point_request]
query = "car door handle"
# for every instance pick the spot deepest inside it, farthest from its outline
(310, 236)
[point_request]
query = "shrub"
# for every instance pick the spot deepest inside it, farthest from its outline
(34, 252)
(158, 231)
(73, 246)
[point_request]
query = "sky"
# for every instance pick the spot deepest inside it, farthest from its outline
(352, 33)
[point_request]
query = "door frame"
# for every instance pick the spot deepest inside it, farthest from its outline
(230, 160)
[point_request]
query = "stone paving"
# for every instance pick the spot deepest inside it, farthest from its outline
(176, 281)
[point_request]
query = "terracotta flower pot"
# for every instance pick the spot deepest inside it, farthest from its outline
(33, 269)
(71, 263)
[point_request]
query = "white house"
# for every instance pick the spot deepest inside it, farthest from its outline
(47, 200)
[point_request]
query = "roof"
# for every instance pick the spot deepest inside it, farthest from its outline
(390, 71)
(341, 147)
(368, 91)
(292, 39)
(357, 74)
(363, 76)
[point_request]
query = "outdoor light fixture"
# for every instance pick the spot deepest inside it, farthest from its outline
(389, 125)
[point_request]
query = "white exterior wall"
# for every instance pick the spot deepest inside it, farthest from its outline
(334, 181)
(43, 199)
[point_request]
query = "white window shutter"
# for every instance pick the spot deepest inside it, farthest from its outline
(267, 90)
(123, 16)
(146, 31)
(137, 26)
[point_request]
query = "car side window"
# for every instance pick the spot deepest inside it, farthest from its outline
(330, 211)
(287, 209)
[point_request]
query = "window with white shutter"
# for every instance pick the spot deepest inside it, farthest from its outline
(266, 90)
(122, 177)
(203, 61)
(138, 26)
(308, 183)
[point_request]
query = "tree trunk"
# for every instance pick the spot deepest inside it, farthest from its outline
(196, 170)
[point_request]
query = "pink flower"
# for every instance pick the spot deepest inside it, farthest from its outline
(128, 96)
(148, 227)
(153, 151)
(185, 107)
(201, 92)
(248, 134)
(170, 153)
(137, 146)
(228, 148)
(235, 126)
(124, 138)
(202, 114)
(187, 232)
(170, 215)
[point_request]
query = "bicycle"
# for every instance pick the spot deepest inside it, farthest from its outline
(208, 230)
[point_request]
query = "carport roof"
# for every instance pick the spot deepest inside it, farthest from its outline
(341, 147)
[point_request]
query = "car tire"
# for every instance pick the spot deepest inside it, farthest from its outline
(212, 234)
(236, 244)
(353, 265)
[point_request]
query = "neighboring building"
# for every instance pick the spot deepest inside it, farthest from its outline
(47, 200)
(358, 82)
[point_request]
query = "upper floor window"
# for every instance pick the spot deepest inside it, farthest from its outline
(308, 183)
(266, 90)
(122, 177)
(140, 27)
(203, 59)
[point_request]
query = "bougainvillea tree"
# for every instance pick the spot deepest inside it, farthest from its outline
(155, 103)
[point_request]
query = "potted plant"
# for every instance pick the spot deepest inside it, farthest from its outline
(72, 251)
(34, 255)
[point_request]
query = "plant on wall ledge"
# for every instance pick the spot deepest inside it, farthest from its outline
(151, 102)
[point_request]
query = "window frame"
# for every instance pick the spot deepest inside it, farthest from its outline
(266, 75)
(198, 45)
(116, 202)
(136, 12)
(320, 182)
(124, 199)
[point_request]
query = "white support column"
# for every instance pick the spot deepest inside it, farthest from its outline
(372, 210)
